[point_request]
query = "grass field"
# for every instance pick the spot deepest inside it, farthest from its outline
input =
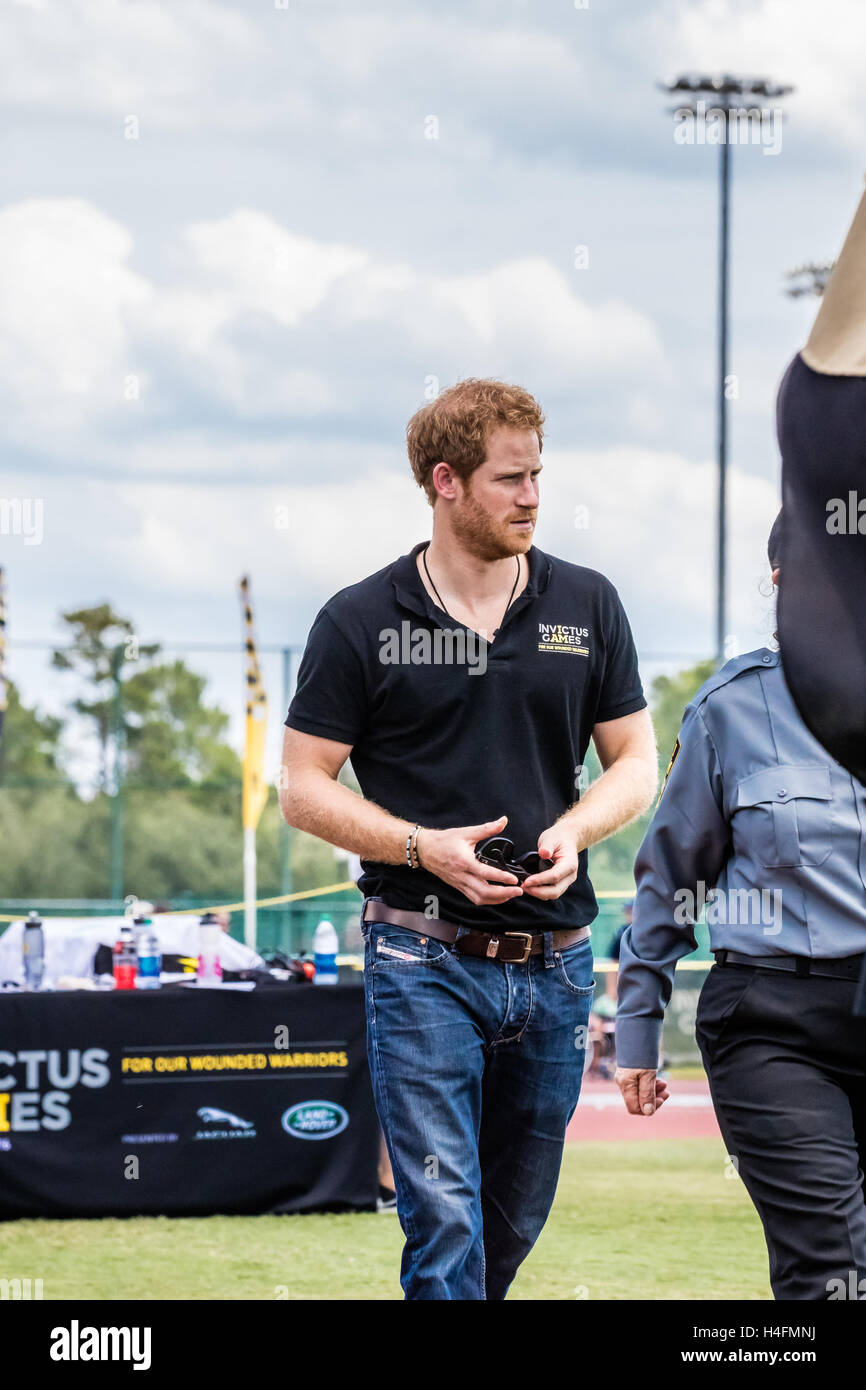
(652, 1221)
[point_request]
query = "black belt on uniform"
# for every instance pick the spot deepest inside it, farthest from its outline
(827, 968)
(511, 947)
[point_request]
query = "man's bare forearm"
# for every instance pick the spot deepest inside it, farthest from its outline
(620, 795)
(325, 808)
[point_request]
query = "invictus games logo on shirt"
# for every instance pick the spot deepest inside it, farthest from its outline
(442, 647)
(315, 1119)
(562, 637)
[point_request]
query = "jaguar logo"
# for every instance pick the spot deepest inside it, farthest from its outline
(212, 1116)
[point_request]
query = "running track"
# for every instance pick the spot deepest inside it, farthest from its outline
(601, 1114)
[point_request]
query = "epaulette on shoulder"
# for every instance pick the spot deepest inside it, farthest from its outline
(737, 666)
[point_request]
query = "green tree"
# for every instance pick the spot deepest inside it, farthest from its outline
(172, 736)
(55, 845)
(98, 637)
(28, 744)
(182, 789)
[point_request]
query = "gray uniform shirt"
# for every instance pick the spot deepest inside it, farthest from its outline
(759, 823)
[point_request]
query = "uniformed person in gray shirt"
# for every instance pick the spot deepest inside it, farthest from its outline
(759, 824)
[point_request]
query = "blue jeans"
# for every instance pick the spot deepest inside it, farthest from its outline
(476, 1069)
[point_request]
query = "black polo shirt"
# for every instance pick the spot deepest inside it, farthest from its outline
(451, 742)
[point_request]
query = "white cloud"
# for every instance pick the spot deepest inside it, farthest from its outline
(341, 309)
(159, 61)
(262, 266)
(537, 78)
(269, 323)
(66, 298)
(297, 540)
(530, 303)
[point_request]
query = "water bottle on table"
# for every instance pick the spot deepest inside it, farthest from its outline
(149, 958)
(124, 959)
(209, 939)
(33, 952)
(325, 947)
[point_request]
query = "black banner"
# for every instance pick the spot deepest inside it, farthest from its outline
(66, 1339)
(185, 1102)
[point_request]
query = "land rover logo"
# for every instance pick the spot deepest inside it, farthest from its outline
(315, 1119)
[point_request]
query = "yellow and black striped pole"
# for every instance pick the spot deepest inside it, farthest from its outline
(255, 790)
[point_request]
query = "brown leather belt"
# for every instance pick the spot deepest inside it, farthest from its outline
(511, 947)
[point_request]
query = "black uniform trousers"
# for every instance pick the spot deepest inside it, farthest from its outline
(786, 1062)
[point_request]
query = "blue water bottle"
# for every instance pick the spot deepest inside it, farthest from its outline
(149, 958)
(325, 947)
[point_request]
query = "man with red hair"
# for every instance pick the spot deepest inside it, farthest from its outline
(437, 675)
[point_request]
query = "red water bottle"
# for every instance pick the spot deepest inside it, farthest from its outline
(124, 959)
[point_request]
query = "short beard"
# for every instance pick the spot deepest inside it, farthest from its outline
(478, 534)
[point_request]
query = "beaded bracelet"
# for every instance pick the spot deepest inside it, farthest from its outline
(412, 858)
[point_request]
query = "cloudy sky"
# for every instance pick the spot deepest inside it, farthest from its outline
(240, 241)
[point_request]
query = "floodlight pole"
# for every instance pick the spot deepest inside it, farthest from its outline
(721, 89)
(722, 425)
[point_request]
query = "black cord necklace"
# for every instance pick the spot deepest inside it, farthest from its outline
(439, 596)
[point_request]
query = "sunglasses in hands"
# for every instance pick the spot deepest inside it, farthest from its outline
(499, 853)
(539, 877)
